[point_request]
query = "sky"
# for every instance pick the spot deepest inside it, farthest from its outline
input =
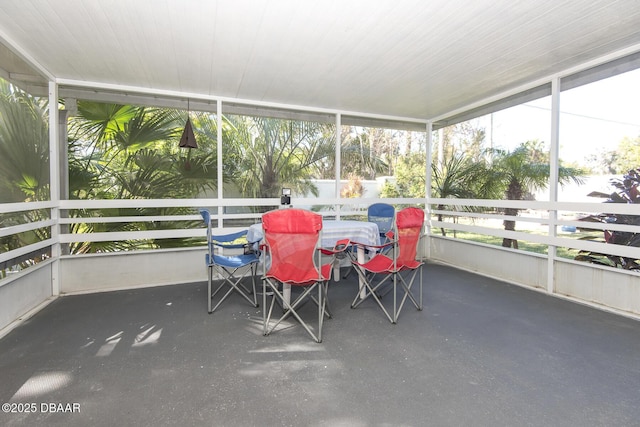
(594, 118)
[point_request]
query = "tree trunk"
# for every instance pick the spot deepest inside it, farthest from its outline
(510, 225)
(514, 192)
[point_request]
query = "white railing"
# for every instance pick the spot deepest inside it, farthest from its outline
(7, 209)
(549, 217)
(538, 222)
(224, 212)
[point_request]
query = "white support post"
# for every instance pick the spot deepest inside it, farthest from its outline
(554, 164)
(63, 160)
(440, 147)
(427, 189)
(338, 161)
(54, 185)
(219, 161)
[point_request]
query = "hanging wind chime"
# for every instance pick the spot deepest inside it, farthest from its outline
(188, 139)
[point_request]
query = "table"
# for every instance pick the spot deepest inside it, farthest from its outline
(333, 230)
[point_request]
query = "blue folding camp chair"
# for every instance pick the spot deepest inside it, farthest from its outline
(382, 214)
(228, 267)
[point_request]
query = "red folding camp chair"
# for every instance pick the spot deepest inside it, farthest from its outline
(399, 264)
(382, 214)
(293, 258)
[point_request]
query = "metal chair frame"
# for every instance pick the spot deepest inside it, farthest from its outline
(302, 222)
(227, 266)
(389, 266)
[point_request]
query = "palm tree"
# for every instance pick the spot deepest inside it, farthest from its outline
(278, 153)
(363, 151)
(24, 167)
(24, 146)
(123, 151)
(518, 172)
(627, 190)
(460, 176)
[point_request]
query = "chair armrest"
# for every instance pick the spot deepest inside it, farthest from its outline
(228, 241)
(366, 245)
(340, 246)
(228, 245)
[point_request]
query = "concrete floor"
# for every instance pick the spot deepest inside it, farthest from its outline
(481, 353)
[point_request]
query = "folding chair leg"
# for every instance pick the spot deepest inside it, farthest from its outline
(291, 310)
(264, 307)
(266, 318)
(292, 307)
(221, 300)
(395, 298)
(224, 297)
(321, 308)
(370, 292)
(327, 308)
(253, 269)
(209, 289)
(233, 286)
(408, 294)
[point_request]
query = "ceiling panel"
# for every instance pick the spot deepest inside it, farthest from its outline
(411, 59)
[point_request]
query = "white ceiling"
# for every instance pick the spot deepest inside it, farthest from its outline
(417, 59)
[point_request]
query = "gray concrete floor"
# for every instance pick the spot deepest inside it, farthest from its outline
(481, 353)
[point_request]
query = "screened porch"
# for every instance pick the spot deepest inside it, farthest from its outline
(531, 306)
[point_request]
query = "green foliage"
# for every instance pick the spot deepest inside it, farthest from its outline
(522, 170)
(409, 177)
(604, 162)
(493, 174)
(389, 190)
(624, 158)
(24, 147)
(460, 176)
(366, 151)
(130, 152)
(465, 137)
(277, 153)
(628, 155)
(126, 152)
(626, 190)
(24, 167)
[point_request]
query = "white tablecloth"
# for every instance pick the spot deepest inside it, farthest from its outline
(357, 231)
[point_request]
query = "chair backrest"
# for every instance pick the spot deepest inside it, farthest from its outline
(292, 237)
(206, 216)
(409, 223)
(381, 214)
